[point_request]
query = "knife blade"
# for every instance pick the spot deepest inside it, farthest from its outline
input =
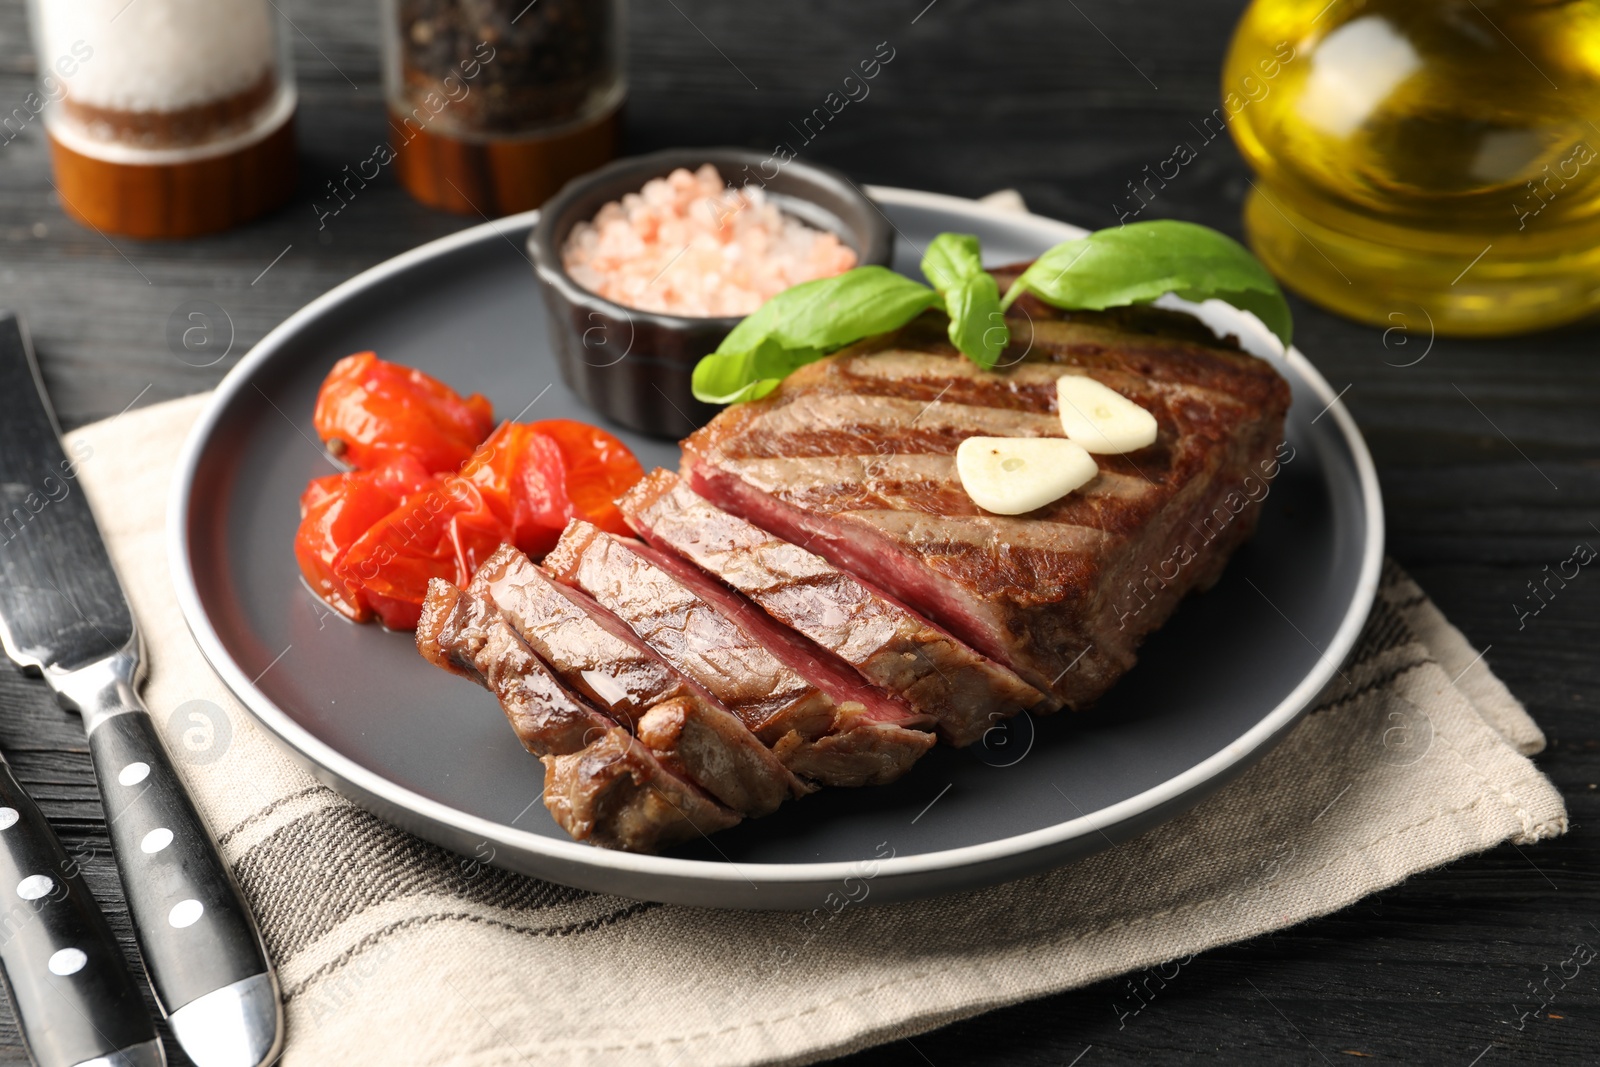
(63, 616)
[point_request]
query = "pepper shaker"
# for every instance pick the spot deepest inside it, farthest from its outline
(495, 104)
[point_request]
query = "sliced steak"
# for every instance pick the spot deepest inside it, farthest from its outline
(893, 647)
(789, 692)
(852, 457)
(614, 793)
(601, 785)
(598, 656)
(467, 635)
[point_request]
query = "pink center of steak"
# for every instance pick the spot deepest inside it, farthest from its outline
(887, 644)
(711, 647)
(852, 458)
(826, 671)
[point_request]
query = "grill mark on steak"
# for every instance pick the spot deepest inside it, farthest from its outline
(600, 784)
(690, 634)
(886, 642)
(596, 654)
(929, 484)
(874, 737)
(790, 693)
(1155, 345)
(466, 635)
(1064, 595)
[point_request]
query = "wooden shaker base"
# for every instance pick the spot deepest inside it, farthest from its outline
(168, 200)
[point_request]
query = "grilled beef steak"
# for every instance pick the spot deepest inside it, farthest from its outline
(601, 785)
(612, 793)
(853, 458)
(467, 635)
(598, 656)
(790, 693)
(964, 692)
(818, 592)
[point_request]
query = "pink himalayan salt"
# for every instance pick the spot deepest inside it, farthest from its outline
(688, 244)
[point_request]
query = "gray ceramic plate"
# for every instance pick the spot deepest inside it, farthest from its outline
(1226, 678)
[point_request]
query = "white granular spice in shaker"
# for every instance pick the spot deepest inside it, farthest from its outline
(160, 56)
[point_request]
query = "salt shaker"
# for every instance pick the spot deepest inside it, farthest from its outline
(166, 118)
(494, 104)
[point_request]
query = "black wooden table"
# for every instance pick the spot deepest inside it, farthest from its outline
(1489, 453)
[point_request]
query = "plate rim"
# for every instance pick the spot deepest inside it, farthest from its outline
(1215, 769)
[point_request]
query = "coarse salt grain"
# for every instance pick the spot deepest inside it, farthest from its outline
(688, 244)
(159, 55)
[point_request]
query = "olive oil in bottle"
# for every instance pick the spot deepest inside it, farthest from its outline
(1434, 158)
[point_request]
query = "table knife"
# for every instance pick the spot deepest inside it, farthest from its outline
(63, 616)
(75, 1001)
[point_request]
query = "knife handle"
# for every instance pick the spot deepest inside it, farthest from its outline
(200, 944)
(69, 983)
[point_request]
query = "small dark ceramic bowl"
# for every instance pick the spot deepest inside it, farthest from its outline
(634, 366)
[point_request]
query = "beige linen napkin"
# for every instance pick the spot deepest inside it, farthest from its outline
(392, 951)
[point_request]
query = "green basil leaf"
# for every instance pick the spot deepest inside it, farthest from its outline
(977, 323)
(832, 312)
(953, 264)
(804, 323)
(729, 377)
(951, 259)
(1141, 261)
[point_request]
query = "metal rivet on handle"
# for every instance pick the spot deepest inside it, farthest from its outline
(8, 818)
(34, 886)
(134, 773)
(68, 961)
(156, 840)
(185, 913)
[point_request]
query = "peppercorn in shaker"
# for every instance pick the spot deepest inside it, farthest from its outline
(166, 118)
(494, 104)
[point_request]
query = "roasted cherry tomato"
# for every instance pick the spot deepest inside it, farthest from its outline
(442, 530)
(538, 476)
(584, 470)
(369, 412)
(335, 511)
(436, 506)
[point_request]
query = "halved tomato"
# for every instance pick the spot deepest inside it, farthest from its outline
(583, 474)
(443, 530)
(370, 411)
(335, 510)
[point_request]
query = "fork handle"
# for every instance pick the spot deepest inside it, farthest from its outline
(68, 979)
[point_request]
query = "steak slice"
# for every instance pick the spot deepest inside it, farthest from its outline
(789, 692)
(598, 656)
(853, 458)
(613, 793)
(964, 692)
(601, 785)
(467, 635)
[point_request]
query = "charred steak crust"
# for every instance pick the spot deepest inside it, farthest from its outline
(790, 693)
(613, 793)
(467, 635)
(598, 656)
(891, 646)
(852, 457)
(611, 790)
(690, 634)
(874, 736)
(859, 750)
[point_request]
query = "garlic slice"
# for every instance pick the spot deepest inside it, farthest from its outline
(1015, 475)
(1101, 419)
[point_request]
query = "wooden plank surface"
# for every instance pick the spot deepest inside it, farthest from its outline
(1065, 102)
